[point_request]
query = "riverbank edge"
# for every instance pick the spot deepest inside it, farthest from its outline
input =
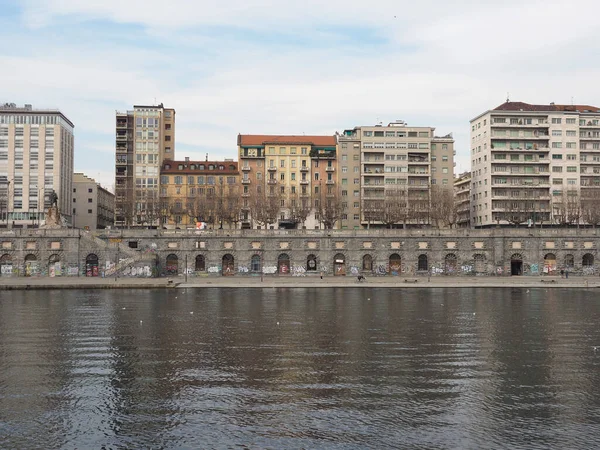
(296, 282)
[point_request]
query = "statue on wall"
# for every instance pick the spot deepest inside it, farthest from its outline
(53, 219)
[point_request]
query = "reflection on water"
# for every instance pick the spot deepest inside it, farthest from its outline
(300, 368)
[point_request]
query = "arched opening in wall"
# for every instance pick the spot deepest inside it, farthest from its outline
(339, 265)
(450, 263)
(516, 264)
(255, 265)
(550, 263)
(569, 262)
(422, 263)
(479, 263)
(172, 264)
(367, 263)
(587, 260)
(91, 265)
(54, 266)
(6, 265)
(200, 264)
(283, 264)
(31, 265)
(227, 265)
(395, 262)
(311, 263)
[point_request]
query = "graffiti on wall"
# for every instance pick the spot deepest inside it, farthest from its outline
(298, 271)
(213, 269)
(243, 269)
(270, 269)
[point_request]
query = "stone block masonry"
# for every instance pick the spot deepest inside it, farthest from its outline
(299, 253)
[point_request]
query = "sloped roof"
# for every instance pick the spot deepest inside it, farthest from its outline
(264, 139)
(520, 106)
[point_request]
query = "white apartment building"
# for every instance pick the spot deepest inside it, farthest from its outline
(145, 138)
(93, 206)
(36, 157)
(462, 200)
(527, 159)
(397, 159)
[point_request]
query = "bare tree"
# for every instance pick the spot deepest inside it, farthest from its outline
(443, 208)
(590, 206)
(4, 186)
(568, 211)
(419, 207)
(231, 205)
(328, 208)
(265, 206)
(299, 207)
(394, 208)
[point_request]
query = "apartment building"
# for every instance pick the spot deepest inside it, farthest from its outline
(462, 200)
(397, 162)
(199, 194)
(287, 181)
(145, 138)
(36, 158)
(349, 178)
(93, 206)
(529, 161)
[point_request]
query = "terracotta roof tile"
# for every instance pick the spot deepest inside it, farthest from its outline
(260, 139)
(520, 106)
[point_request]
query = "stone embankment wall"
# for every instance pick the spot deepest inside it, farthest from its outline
(146, 253)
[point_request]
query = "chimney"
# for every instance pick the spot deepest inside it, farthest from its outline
(187, 159)
(207, 157)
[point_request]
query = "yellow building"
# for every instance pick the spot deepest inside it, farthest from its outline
(199, 194)
(281, 179)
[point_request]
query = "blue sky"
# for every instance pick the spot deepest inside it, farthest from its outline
(287, 67)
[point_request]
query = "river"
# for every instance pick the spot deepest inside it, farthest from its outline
(300, 368)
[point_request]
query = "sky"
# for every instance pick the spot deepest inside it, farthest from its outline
(291, 67)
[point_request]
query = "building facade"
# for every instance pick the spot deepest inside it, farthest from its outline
(36, 158)
(288, 181)
(93, 206)
(145, 138)
(462, 199)
(398, 166)
(200, 194)
(535, 164)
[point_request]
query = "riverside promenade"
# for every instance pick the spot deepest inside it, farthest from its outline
(44, 283)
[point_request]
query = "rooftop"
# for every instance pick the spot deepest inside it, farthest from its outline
(264, 139)
(228, 167)
(27, 108)
(520, 106)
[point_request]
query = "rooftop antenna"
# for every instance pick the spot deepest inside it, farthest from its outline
(207, 157)
(507, 97)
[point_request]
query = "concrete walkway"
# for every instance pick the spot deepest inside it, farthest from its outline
(23, 283)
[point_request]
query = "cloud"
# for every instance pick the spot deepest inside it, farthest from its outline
(269, 66)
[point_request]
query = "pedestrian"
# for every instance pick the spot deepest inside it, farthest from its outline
(562, 272)
(567, 273)
(321, 274)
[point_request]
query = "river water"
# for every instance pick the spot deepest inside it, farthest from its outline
(300, 368)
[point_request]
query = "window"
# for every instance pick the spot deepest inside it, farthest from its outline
(90, 190)
(556, 156)
(90, 200)
(556, 120)
(571, 169)
(571, 157)
(556, 132)
(89, 211)
(570, 121)
(557, 169)
(178, 179)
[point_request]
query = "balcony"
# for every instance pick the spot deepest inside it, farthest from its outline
(245, 181)
(330, 182)
(418, 160)
(303, 181)
(245, 168)
(121, 123)
(329, 169)
(590, 124)
(245, 194)
(304, 194)
(593, 136)
(272, 169)
(535, 148)
(271, 181)
(521, 124)
(418, 174)
(303, 168)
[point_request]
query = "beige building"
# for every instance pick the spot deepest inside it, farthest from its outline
(145, 138)
(397, 162)
(532, 163)
(462, 200)
(36, 158)
(93, 206)
(287, 181)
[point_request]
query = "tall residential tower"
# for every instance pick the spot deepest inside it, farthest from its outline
(145, 138)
